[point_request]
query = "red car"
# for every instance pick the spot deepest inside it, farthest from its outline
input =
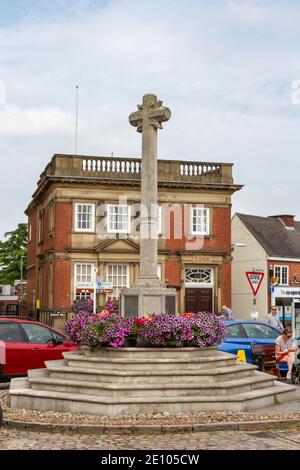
(27, 345)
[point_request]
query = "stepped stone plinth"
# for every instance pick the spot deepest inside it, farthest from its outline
(147, 380)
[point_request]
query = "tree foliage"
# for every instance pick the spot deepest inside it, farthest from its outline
(11, 251)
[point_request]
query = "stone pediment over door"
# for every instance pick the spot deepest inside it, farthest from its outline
(118, 246)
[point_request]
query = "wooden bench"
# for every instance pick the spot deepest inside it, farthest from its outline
(263, 356)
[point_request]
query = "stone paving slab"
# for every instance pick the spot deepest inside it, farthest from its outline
(230, 440)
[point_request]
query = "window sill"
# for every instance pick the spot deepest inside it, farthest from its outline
(84, 231)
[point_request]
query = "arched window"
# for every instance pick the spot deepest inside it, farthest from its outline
(201, 276)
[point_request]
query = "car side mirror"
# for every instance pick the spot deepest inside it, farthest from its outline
(57, 341)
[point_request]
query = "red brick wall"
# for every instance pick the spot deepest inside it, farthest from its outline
(226, 284)
(31, 257)
(48, 243)
(62, 226)
(33, 223)
(173, 273)
(31, 285)
(220, 231)
(59, 242)
(220, 241)
(294, 268)
(61, 284)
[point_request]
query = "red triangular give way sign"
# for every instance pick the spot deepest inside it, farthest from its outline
(255, 280)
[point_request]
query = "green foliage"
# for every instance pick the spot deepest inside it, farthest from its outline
(11, 251)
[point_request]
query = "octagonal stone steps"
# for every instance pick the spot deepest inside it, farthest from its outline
(145, 364)
(59, 370)
(140, 380)
(24, 397)
(150, 353)
(143, 390)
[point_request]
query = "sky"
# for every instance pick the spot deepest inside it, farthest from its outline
(229, 70)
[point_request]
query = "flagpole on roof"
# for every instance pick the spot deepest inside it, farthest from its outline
(76, 121)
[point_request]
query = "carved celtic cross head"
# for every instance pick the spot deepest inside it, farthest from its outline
(150, 113)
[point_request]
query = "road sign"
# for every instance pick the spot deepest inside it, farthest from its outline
(106, 285)
(98, 282)
(255, 280)
(271, 289)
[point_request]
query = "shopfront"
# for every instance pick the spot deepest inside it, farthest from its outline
(287, 302)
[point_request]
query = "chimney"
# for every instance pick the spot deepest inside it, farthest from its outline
(287, 220)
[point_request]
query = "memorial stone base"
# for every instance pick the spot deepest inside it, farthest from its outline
(141, 301)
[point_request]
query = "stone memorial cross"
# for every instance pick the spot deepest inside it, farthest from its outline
(147, 120)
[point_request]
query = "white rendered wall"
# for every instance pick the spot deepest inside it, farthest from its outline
(245, 259)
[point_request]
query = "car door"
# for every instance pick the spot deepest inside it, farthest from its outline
(15, 357)
(236, 340)
(43, 348)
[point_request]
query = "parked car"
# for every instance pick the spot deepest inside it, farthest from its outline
(241, 334)
(27, 345)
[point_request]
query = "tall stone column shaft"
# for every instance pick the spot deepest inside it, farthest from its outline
(148, 216)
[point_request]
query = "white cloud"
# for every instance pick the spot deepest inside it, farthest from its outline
(224, 68)
(268, 14)
(18, 122)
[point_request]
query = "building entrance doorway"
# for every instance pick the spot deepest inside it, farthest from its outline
(198, 299)
(199, 292)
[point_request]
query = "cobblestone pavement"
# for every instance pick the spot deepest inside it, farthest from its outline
(22, 440)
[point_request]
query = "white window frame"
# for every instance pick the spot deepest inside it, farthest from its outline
(116, 295)
(159, 270)
(92, 228)
(75, 272)
(280, 268)
(159, 220)
(199, 284)
(193, 211)
(112, 230)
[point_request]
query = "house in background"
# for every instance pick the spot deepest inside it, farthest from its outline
(272, 245)
(9, 300)
(77, 194)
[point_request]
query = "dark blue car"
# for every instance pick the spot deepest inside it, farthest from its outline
(242, 333)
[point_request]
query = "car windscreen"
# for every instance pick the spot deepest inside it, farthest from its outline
(259, 331)
(235, 331)
(10, 333)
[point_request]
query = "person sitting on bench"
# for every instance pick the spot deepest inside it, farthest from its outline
(285, 348)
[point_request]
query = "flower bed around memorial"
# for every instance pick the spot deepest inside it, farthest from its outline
(157, 330)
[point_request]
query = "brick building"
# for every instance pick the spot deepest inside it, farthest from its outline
(272, 245)
(84, 217)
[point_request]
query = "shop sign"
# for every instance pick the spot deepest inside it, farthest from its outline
(287, 292)
(106, 291)
(106, 285)
(84, 285)
(84, 291)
